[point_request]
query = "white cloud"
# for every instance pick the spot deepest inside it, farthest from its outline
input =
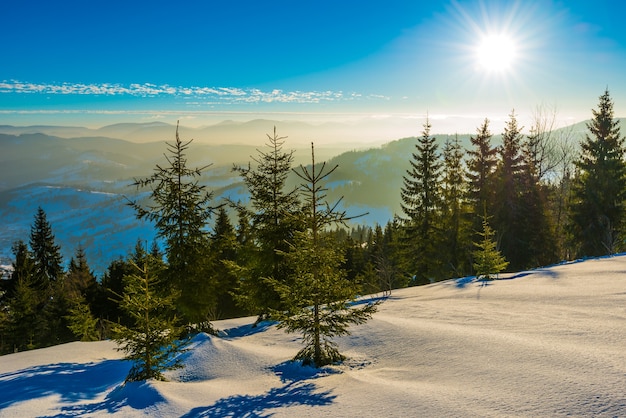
(221, 95)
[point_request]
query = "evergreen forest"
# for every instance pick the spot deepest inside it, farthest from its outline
(288, 254)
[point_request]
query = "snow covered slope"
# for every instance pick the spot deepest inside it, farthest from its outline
(548, 342)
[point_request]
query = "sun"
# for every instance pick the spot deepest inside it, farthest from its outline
(496, 52)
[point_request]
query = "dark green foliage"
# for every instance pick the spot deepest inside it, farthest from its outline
(106, 304)
(488, 261)
(599, 188)
(35, 303)
(81, 322)
(180, 210)
(537, 221)
(23, 268)
(151, 341)
(318, 296)
(455, 222)
(80, 282)
(224, 249)
(45, 252)
(481, 165)
(421, 203)
(274, 220)
(508, 210)
(24, 320)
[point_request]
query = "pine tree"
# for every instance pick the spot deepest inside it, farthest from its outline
(273, 213)
(22, 268)
(421, 203)
(488, 261)
(318, 295)
(223, 249)
(81, 321)
(151, 341)
(455, 210)
(24, 324)
(481, 165)
(509, 214)
(599, 189)
(181, 209)
(80, 281)
(46, 253)
(537, 223)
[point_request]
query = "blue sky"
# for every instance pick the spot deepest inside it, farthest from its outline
(99, 62)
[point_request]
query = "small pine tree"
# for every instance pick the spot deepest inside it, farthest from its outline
(318, 295)
(81, 322)
(488, 261)
(151, 342)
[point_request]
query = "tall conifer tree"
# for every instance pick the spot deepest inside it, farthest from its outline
(180, 209)
(224, 248)
(508, 217)
(481, 165)
(455, 225)
(273, 214)
(599, 189)
(421, 203)
(46, 253)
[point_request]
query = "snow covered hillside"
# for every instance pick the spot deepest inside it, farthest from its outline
(548, 342)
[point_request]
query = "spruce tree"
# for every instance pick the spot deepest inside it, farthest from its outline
(24, 318)
(180, 209)
(223, 249)
(81, 321)
(273, 214)
(151, 340)
(318, 295)
(537, 222)
(455, 210)
(599, 188)
(509, 215)
(80, 281)
(421, 203)
(23, 267)
(488, 261)
(46, 253)
(481, 165)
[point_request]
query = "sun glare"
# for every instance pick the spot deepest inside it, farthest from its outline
(496, 53)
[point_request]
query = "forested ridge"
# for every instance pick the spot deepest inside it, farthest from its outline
(473, 209)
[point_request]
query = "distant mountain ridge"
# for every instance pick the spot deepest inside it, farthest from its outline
(81, 182)
(340, 136)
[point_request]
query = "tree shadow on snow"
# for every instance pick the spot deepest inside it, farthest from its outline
(77, 385)
(295, 392)
(136, 395)
(245, 330)
(72, 382)
(292, 394)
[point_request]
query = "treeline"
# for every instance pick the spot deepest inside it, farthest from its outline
(545, 200)
(529, 201)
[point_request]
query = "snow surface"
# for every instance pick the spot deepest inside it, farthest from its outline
(549, 342)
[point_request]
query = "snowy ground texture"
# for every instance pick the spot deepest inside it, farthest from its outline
(544, 343)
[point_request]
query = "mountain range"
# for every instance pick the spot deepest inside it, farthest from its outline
(83, 177)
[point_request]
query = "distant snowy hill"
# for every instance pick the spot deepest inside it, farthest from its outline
(542, 343)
